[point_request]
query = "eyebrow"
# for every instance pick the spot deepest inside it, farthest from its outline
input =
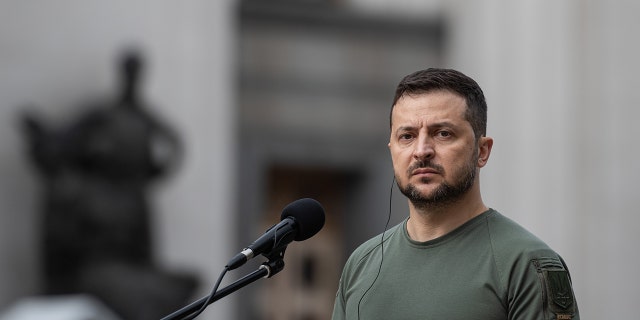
(436, 125)
(443, 124)
(405, 128)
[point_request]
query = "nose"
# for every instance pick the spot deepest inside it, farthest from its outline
(424, 149)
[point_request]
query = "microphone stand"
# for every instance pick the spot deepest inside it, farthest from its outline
(274, 265)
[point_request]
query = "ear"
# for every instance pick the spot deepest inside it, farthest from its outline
(484, 150)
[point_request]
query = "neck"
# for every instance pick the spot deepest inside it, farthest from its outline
(428, 223)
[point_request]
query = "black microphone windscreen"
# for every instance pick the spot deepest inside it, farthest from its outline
(308, 214)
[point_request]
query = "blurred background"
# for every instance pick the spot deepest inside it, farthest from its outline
(144, 143)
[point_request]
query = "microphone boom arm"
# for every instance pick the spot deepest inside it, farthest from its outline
(300, 220)
(268, 269)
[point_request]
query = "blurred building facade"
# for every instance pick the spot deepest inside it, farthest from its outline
(315, 80)
(277, 101)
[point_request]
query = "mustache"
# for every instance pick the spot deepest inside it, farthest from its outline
(425, 164)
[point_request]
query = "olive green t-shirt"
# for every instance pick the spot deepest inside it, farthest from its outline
(488, 268)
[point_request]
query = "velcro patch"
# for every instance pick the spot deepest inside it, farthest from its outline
(559, 293)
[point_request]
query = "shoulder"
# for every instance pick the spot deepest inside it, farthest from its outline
(364, 253)
(509, 237)
(534, 276)
(515, 249)
(517, 253)
(366, 248)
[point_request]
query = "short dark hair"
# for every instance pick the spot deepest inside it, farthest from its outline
(432, 79)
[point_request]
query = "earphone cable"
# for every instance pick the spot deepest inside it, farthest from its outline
(386, 226)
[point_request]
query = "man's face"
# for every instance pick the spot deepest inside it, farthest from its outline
(433, 148)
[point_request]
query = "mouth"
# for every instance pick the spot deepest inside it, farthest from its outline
(424, 171)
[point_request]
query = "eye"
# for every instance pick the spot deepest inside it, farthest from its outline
(405, 136)
(444, 134)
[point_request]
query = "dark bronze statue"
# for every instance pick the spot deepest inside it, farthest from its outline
(96, 171)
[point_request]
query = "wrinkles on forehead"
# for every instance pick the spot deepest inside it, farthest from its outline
(416, 95)
(435, 108)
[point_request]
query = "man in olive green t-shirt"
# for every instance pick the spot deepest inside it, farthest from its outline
(453, 257)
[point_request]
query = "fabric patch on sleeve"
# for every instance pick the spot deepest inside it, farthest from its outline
(560, 296)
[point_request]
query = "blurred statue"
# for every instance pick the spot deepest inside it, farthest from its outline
(96, 226)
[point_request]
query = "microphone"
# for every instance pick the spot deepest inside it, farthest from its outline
(300, 220)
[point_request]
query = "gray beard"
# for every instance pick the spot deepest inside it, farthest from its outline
(445, 194)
